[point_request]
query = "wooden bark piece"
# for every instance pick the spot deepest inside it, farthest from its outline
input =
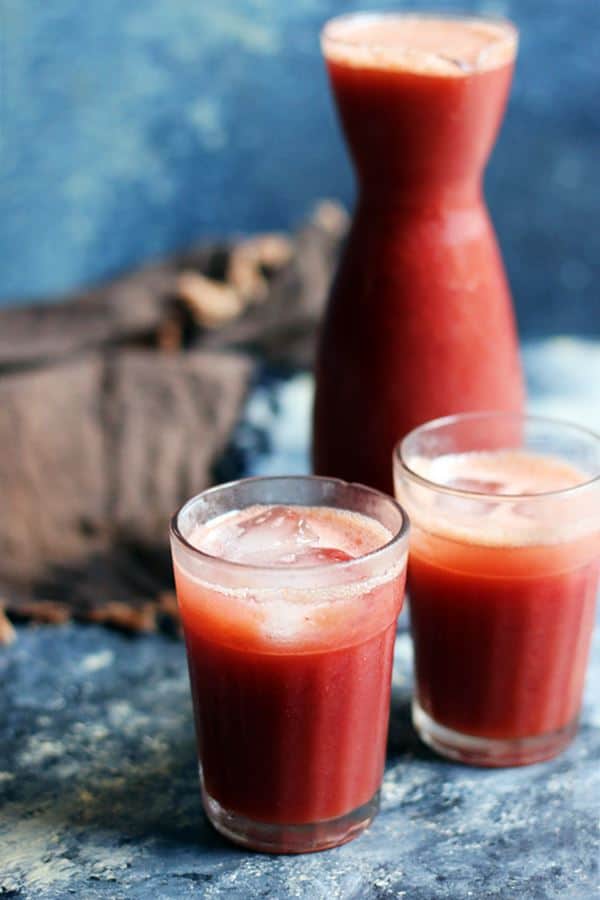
(52, 467)
(210, 302)
(130, 309)
(97, 455)
(173, 416)
(254, 260)
(283, 329)
(101, 440)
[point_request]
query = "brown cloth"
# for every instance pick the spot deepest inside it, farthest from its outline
(115, 405)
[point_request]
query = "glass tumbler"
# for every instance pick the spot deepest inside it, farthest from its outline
(290, 667)
(502, 581)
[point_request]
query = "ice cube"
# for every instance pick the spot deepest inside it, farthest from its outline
(458, 505)
(316, 556)
(477, 485)
(269, 536)
(529, 509)
(285, 621)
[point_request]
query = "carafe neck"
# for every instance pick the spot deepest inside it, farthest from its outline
(416, 138)
(397, 194)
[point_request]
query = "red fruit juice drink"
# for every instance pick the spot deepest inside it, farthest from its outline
(503, 576)
(420, 285)
(289, 591)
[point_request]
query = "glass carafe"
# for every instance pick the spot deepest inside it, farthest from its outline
(420, 321)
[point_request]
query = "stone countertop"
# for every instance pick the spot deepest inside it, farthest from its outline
(100, 795)
(98, 783)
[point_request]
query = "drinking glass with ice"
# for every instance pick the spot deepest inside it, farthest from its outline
(289, 591)
(503, 575)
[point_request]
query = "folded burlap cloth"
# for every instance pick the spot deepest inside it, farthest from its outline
(115, 405)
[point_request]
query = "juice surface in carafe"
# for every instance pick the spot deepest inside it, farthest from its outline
(419, 322)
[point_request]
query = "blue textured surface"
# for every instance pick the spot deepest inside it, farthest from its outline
(129, 128)
(100, 796)
(98, 783)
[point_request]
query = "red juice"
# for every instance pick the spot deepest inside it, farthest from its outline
(420, 286)
(507, 654)
(291, 684)
(502, 604)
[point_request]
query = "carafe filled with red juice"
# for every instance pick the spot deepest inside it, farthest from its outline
(289, 591)
(419, 322)
(503, 577)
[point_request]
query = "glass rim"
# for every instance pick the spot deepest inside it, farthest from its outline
(336, 565)
(511, 35)
(432, 424)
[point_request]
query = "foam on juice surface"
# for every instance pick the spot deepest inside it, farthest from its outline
(296, 548)
(501, 472)
(521, 515)
(425, 44)
(289, 536)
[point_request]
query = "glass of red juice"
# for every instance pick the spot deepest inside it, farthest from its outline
(503, 576)
(289, 590)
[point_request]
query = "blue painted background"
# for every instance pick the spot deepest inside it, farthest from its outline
(131, 127)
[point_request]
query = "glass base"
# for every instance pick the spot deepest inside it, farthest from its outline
(306, 838)
(493, 752)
